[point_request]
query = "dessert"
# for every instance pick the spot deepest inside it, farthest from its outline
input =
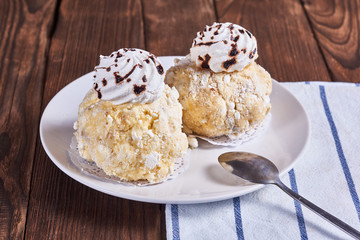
(223, 91)
(130, 123)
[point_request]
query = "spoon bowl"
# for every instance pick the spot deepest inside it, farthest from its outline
(250, 167)
(257, 169)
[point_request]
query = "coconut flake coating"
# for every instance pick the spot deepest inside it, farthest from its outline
(224, 47)
(218, 104)
(132, 141)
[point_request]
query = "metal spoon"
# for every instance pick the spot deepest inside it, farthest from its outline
(258, 169)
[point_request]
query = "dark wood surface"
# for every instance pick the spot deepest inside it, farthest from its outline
(45, 44)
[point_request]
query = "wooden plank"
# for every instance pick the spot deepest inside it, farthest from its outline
(24, 27)
(170, 26)
(287, 47)
(59, 206)
(336, 26)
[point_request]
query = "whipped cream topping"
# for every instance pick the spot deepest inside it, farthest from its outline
(224, 47)
(129, 75)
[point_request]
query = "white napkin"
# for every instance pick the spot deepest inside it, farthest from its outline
(328, 174)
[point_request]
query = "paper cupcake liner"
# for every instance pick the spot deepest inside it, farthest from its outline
(232, 140)
(90, 168)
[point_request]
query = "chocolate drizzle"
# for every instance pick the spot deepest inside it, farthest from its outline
(228, 63)
(160, 69)
(205, 62)
(234, 51)
(119, 79)
(205, 43)
(139, 89)
(252, 54)
(248, 33)
(96, 86)
(104, 82)
(234, 39)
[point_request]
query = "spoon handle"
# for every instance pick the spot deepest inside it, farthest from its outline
(334, 220)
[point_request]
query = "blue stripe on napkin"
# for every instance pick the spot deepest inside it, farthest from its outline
(298, 209)
(340, 151)
(238, 221)
(175, 221)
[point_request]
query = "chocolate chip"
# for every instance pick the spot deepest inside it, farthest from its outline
(139, 89)
(94, 76)
(228, 63)
(99, 94)
(233, 52)
(115, 60)
(128, 60)
(234, 39)
(224, 41)
(160, 69)
(128, 80)
(111, 55)
(212, 37)
(108, 69)
(242, 31)
(243, 50)
(96, 86)
(118, 78)
(147, 61)
(140, 66)
(231, 26)
(104, 82)
(144, 78)
(216, 32)
(116, 65)
(205, 63)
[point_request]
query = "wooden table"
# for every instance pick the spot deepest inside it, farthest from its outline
(45, 44)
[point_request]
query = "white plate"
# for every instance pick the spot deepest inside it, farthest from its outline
(205, 180)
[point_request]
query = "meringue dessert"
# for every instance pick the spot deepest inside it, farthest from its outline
(223, 91)
(130, 122)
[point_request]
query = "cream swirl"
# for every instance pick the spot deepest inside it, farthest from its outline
(129, 75)
(224, 47)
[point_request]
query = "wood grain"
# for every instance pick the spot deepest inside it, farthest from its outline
(170, 26)
(61, 208)
(287, 47)
(25, 27)
(336, 25)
